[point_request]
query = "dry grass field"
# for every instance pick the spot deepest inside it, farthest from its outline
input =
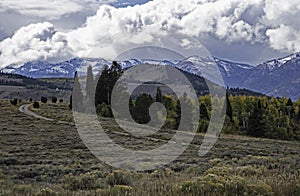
(39, 157)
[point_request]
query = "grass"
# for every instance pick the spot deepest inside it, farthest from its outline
(58, 111)
(39, 157)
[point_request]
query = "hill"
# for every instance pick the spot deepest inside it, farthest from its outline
(277, 77)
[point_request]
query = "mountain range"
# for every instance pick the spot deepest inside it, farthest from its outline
(277, 77)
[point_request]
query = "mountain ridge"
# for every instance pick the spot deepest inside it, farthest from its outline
(276, 77)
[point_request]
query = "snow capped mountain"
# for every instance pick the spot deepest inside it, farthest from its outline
(228, 68)
(277, 77)
(276, 63)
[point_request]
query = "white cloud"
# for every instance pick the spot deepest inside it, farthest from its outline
(112, 30)
(49, 9)
(33, 42)
(284, 38)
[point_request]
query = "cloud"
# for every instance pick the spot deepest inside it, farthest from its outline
(284, 38)
(48, 8)
(34, 42)
(112, 30)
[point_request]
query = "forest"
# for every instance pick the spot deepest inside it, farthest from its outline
(247, 112)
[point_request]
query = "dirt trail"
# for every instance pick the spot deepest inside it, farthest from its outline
(25, 109)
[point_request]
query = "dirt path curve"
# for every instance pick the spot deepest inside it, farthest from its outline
(25, 109)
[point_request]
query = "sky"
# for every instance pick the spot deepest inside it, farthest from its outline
(249, 31)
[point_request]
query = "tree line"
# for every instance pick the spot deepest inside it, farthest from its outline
(253, 115)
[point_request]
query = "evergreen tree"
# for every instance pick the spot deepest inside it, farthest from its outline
(71, 103)
(298, 113)
(177, 114)
(229, 108)
(106, 82)
(77, 95)
(158, 97)
(290, 108)
(102, 88)
(141, 108)
(203, 112)
(187, 109)
(131, 106)
(90, 91)
(256, 121)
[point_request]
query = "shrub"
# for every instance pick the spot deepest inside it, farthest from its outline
(121, 190)
(61, 101)
(14, 101)
(104, 110)
(219, 170)
(119, 177)
(23, 189)
(54, 99)
(36, 104)
(250, 170)
(82, 182)
(47, 192)
(44, 99)
(212, 184)
(30, 100)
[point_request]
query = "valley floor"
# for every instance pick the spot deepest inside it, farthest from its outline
(40, 157)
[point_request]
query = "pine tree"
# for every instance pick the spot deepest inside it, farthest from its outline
(131, 106)
(228, 108)
(298, 113)
(102, 87)
(158, 97)
(106, 82)
(290, 108)
(177, 114)
(141, 108)
(203, 112)
(256, 121)
(90, 91)
(77, 96)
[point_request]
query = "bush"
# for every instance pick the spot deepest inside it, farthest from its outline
(121, 190)
(212, 184)
(250, 170)
(47, 192)
(104, 110)
(36, 104)
(14, 101)
(23, 189)
(54, 99)
(44, 99)
(119, 177)
(85, 181)
(30, 100)
(61, 101)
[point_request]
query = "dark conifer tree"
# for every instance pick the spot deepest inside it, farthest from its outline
(106, 82)
(177, 114)
(158, 97)
(102, 88)
(141, 108)
(256, 121)
(228, 108)
(203, 112)
(90, 90)
(290, 108)
(77, 95)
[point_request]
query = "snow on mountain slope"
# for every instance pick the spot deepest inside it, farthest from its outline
(277, 77)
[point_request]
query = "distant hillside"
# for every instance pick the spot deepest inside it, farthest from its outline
(201, 88)
(9, 79)
(277, 77)
(65, 84)
(25, 88)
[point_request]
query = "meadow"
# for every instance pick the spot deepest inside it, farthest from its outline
(39, 157)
